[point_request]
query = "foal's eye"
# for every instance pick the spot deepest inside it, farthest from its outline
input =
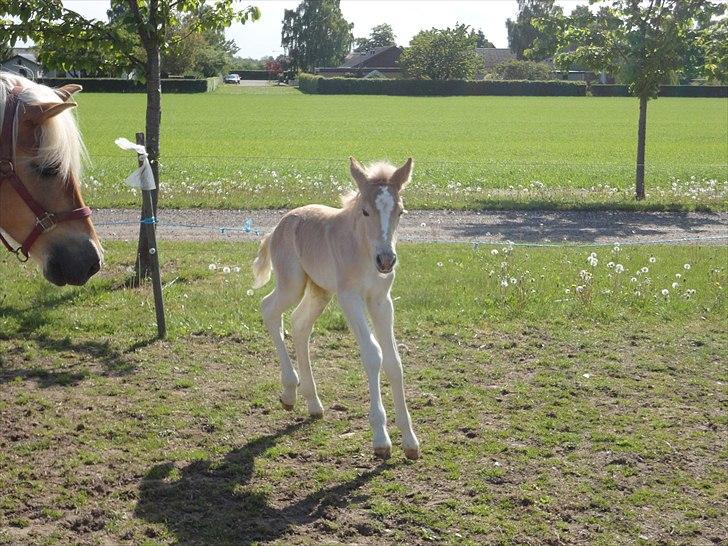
(364, 212)
(48, 171)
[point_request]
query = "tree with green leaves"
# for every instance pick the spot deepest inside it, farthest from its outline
(380, 36)
(481, 40)
(442, 54)
(523, 33)
(134, 36)
(712, 40)
(316, 34)
(644, 41)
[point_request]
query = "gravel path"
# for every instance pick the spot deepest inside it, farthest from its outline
(445, 226)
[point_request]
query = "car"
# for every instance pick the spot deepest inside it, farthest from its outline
(232, 78)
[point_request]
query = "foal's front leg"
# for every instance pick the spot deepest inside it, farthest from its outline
(371, 355)
(382, 312)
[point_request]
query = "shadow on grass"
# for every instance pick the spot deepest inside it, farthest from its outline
(29, 322)
(209, 502)
(586, 226)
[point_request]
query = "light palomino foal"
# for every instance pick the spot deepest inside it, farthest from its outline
(317, 251)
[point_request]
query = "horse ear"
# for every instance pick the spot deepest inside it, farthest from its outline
(402, 176)
(66, 91)
(359, 173)
(38, 114)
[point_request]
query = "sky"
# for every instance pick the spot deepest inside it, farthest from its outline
(407, 17)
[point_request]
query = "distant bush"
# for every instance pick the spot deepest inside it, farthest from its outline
(521, 70)
(119, 85)
(698, 91)
(361, 86)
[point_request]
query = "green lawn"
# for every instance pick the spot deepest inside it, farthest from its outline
(547, 413)
(276, 147)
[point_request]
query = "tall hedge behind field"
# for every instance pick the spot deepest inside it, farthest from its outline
(252, 74)
(362, 86)
(118, 85)
(704, 91)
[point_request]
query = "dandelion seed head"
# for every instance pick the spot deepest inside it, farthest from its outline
(652, 259)
(494, 252)
(250, 292)
(687, 267)
(619, 268)
(212, 267)
(665, 292)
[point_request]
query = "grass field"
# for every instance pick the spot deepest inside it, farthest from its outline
(548, 413)
(276, 147)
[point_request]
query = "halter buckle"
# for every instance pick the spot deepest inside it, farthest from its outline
(46, 222)
(22, 257)
(6, 167)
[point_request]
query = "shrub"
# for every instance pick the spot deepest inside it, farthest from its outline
(316, 84)
(521, 70)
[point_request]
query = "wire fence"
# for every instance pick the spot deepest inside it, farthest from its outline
(248, 228)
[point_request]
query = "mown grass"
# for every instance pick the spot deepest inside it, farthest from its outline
(275, 147)
(545, 416)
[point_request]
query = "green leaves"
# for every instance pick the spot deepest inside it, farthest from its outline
(442, 54)
(316, 34)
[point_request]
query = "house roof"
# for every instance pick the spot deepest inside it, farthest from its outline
(493, 56)
(353, 60)
(24, 53)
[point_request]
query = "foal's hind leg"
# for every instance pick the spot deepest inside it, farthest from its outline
(312, 305)
(290, 282)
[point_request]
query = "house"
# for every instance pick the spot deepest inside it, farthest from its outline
(492, 57)
(23, 61)
(359, 64)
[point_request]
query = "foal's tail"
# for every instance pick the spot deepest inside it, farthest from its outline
(262, 264)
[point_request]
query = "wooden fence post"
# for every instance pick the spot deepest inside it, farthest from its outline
(148, 265)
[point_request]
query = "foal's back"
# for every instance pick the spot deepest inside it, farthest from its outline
(315, 238)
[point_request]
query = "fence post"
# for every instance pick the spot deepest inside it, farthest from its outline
(147, 254)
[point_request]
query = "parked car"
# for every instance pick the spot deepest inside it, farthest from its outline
(232, 78)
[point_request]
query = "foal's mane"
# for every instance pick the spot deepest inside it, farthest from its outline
(59, 140)
(378, 173)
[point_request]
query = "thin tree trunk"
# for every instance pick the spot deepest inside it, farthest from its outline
(154, 119)
(641, 136)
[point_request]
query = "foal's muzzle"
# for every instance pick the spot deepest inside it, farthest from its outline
(385, 262)
(72, 263)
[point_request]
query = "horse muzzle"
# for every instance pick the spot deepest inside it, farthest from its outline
(72, 263)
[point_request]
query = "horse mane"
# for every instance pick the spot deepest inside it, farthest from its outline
(59, 139)
(379, 172)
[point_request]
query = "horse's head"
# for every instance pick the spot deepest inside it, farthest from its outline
(381, 206)
(41, 208)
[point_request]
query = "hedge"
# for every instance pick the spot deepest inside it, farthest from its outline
(118, 85)
(705, 91)
(317, 84)
(251, 74)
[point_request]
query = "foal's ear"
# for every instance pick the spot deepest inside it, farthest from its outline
(38, 114)
(66, 91)
(359, 173)
(402, 176)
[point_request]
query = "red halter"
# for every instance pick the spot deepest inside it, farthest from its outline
(44, 220)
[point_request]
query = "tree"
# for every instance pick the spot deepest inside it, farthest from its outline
(442, 54)
(645, 42)
(523, 33)
(316, 34)
(481, 40)
(380, 36)
(713, 42)
(66, 37)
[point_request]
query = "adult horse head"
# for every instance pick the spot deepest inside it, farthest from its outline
(42, 214)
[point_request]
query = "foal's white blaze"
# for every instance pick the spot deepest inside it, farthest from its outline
(385, 206)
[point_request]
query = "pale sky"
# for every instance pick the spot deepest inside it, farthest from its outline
(407, 17)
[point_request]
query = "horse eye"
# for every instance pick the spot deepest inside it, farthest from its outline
(48, 171)
(364, 212)
(401, 212)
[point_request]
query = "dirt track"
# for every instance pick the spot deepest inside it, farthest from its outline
(446, 226)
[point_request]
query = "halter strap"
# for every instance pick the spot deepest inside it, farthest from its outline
(44, 220)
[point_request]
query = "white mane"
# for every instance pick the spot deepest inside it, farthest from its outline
(60, 141)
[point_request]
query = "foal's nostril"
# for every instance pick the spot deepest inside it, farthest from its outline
(379, 261)
(394, 259)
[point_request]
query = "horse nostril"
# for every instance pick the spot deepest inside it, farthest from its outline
(394, 259)
(95, 268)
(379, 260)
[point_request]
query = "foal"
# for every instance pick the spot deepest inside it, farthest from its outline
(317, 251)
